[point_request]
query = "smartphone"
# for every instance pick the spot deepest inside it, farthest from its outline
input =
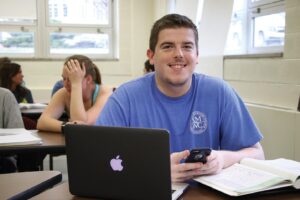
(198, 155)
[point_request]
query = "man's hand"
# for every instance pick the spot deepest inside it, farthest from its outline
(181, 171)
(214, 164)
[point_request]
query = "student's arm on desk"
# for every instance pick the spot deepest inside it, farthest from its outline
(89, 116)
(49, 118)
(217, 160)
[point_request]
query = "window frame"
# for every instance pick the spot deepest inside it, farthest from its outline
(259, 10)
(265, 7)
(42, 30)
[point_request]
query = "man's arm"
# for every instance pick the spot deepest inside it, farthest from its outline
(216, 161)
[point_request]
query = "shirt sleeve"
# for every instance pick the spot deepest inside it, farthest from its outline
(115, 111)
(238, 129)
(12, 113)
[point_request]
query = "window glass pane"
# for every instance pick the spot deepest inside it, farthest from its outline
(236, 34)
(70, 43)
(269, 30)
(78, 11)
(16, 42)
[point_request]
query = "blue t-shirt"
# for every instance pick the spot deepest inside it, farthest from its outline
(59, 84)
(210, 114)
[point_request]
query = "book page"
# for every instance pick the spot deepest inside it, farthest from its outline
(239, 179)
(18, 136)
(178, 190)
(288, 169)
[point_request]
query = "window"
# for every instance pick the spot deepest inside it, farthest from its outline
(67, 27)
(257, 26)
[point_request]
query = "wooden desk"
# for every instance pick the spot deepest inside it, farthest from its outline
(52, 144)
(193, 193)
(25, 185)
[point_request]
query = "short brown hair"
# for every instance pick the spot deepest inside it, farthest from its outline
(171, 21)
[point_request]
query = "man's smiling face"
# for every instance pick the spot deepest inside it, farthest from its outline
(175, 57)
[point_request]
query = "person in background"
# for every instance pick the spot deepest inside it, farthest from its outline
(82, 97)
(10, 117)
(59, 84)
(148, 67)
(4, 60)
(198, 110)
(11, 77)
(10, 114)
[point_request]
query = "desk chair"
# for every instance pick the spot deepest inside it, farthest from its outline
(29, 124)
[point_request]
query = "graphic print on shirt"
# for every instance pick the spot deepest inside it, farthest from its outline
(198, 122)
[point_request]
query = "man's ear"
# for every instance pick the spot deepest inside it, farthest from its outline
(150, 55)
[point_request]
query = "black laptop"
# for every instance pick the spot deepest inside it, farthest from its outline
(118, 162)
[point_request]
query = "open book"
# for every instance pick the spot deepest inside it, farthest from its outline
(251, 176)
(24, 106)
(17, 136)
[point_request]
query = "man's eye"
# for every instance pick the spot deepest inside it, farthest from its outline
(188, 47)
(166, 46)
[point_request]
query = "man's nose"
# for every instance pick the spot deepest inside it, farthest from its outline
(178, 52)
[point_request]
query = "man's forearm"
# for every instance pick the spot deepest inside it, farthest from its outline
(232, 157)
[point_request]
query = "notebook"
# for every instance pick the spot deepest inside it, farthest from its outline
(118, 162)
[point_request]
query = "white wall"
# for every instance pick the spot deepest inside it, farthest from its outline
(213, 30)
(271, 86)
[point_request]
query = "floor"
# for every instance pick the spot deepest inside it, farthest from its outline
(59, 164)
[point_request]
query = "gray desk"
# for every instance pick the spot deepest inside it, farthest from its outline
(25, 185)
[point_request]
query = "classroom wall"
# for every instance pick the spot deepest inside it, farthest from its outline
(136, 18)
(271, 87)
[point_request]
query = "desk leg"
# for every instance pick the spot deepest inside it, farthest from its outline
(51, 162)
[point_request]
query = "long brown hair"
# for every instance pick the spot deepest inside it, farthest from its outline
(90, 67)
(7, 72)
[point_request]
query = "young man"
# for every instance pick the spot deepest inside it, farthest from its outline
(198, 110)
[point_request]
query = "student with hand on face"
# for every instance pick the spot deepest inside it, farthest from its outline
(82, 97)
(198, 110)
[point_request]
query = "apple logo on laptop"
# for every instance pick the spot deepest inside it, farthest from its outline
(116, 163)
